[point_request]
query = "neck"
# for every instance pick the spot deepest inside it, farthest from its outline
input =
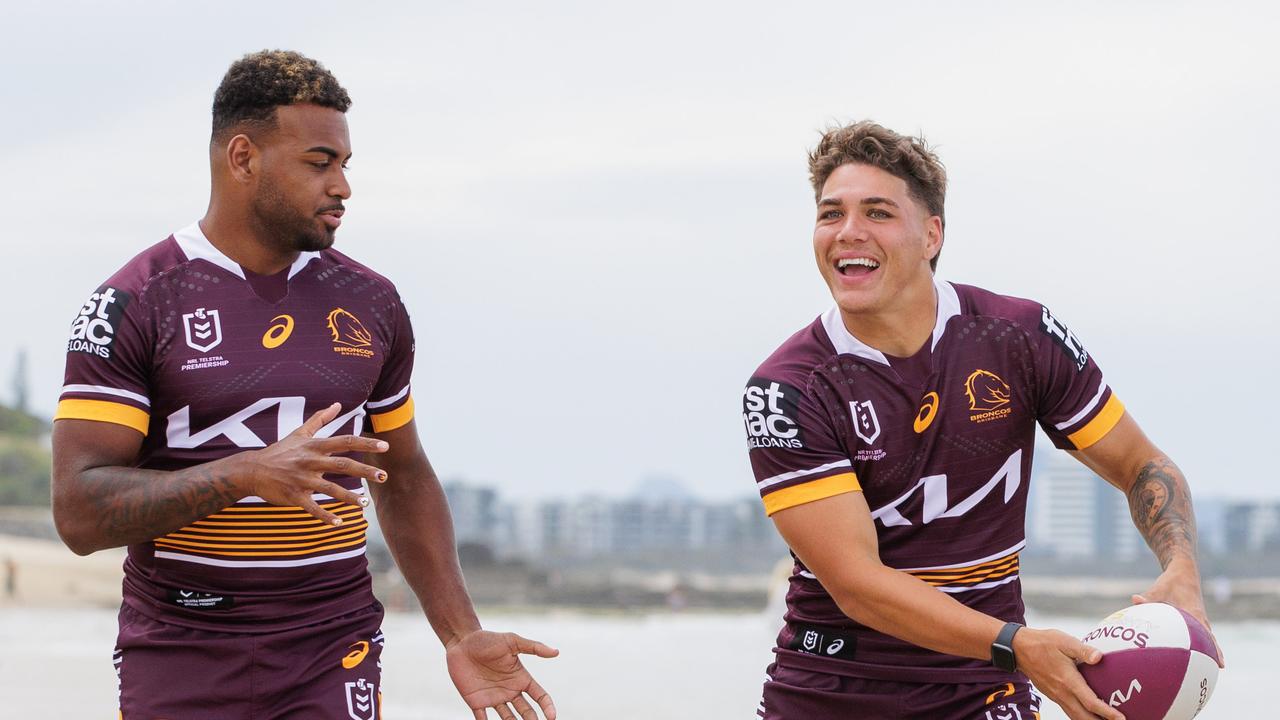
(902, 329)
(246, 242)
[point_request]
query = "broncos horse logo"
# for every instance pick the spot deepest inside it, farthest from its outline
(986, 391)
(348, 330)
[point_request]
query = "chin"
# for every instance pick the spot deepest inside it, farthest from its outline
(313, 243)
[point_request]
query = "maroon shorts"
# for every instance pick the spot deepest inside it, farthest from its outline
(328, 671)
(795, 694)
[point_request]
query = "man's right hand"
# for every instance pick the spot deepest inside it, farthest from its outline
(289, 471)
(1049, 659)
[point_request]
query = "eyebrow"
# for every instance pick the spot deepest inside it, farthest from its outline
(826, 201)
(325, 150)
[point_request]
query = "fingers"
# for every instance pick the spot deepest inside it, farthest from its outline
(337, 492)
(1138, 599)
(523, 707)
(542, 698)
(310, 505)
(504, 712)
(340, 465)
(350, 443)
(1082, 653)
(480, 713)
(532, 647)
(319, 420)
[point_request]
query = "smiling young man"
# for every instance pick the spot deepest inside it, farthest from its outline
(218, 392)
(891, 441)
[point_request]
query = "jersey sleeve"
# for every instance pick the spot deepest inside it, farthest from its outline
(1077, 407)
(795, 454)
(390, 404)
(108, 362)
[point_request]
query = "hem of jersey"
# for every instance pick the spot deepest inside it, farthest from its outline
(811, 491)
(153, 610)
(104, 411)
(1100, 425)
(895, 673)
(384, 422)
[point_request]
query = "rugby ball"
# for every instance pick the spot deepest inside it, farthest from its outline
(1158, 663)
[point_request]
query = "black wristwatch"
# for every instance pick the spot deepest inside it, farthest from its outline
(1002, 649)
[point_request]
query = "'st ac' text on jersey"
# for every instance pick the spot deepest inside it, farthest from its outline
(940, 445)
(206, 359)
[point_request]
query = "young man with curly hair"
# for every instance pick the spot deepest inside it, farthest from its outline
(226, 391)
(891, 441)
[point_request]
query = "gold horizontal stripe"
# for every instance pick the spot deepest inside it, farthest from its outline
(1013, 563)
(214, 526)
(237, 546)
(810, 491)
(394, 419)
(974, 579)
(323, 531)
(966, 568)
(337, 546)
(103, 411)
(1100, 425)
(302, 514)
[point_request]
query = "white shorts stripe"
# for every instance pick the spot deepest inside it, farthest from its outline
(183, 557)
(967, 563)
(101, 390)
(979, 586)
(769, 482)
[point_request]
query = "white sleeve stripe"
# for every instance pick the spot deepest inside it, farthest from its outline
(769, 482)
(107, 391)
(1102, 388)
(373, 404)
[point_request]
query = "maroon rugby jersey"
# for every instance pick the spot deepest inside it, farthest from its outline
(206, 360)
(939, 444)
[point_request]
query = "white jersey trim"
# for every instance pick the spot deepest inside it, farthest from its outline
(301, 262)
(769, 482)
(966, 563)
(259, 563)
(1102, 388)
(196, 246)
(846, 344)
(318, 497)
(107, 391)
(979, 586)
(375, 404)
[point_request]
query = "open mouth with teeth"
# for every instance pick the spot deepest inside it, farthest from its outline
(856, 267)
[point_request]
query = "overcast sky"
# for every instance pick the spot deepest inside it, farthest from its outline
(600, 219)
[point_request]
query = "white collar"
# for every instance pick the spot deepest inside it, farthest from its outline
(193, 243)
(846, 344)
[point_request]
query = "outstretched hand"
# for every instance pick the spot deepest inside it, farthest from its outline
(485, 667)
(1182, 591)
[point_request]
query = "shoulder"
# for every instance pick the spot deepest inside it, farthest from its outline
(142, 269)
(341, 262)
(980, 302)
(796, 359)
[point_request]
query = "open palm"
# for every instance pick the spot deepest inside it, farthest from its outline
(485, 667)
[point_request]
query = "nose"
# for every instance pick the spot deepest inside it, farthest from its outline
(852, 229)
(340, 188)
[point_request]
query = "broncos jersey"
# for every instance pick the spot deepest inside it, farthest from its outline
(206, 359)
(940, 444)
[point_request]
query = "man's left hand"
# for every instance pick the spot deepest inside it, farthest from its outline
(1181, 590)
(485, 667)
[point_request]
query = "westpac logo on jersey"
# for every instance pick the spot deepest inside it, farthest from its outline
(290, 413)
(203, 329)
(1066, 339)
(769, 412)
(95, 326)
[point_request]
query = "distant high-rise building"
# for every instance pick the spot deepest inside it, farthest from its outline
(1076, 515)
(1252, 526)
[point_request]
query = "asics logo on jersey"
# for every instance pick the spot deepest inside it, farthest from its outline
(1065, 339)
(767, 411)
(95, 326)
(935, 495)
(280, 330)
(928, 411)
(290, 414)
(356, 656)
(350, 337)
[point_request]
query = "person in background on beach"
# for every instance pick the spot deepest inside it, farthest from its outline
(226, 391)
(891, 442)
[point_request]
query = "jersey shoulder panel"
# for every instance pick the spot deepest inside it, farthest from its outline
(136, 275)
(795, 360)
(334, 258)
(976, 301)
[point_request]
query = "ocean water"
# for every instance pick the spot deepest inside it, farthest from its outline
(57, 664)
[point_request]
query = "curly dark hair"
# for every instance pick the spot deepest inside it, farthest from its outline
(258, 83)
(907, 158)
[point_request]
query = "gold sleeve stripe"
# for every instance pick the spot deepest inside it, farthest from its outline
(1100, 425)
(810, 491)
(382, 422)
(103, 411)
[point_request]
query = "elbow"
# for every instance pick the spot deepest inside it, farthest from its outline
(72, 524)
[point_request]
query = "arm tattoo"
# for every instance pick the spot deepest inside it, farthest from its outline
(131, 506)
(1161, 507)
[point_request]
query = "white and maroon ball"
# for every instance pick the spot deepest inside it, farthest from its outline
(1158, 663)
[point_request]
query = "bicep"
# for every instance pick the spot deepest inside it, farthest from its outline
(834, 537)
(405, 462)
(1119, 455)
(80, 445)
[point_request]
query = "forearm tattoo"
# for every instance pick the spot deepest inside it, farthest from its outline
(1160, 503)
(131, 506)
